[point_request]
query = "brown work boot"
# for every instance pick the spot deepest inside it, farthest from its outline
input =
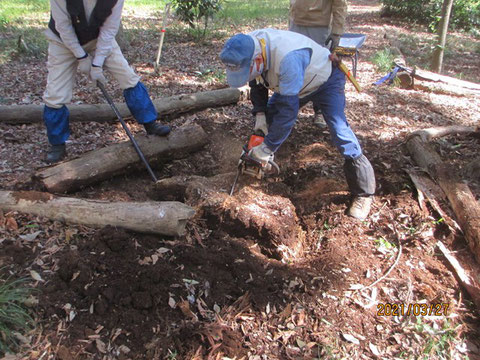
(318, 120)
(360, 207)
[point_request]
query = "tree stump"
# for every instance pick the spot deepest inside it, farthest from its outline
(271, 220)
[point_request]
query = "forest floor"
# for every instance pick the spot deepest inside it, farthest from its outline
(212, 293)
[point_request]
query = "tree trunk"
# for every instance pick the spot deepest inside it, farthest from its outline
(115, 159)
(437, 61)
(463, 202)
(165, 218)
(174, 105)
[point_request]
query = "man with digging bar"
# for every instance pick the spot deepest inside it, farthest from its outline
(81, 35)
(297, 70)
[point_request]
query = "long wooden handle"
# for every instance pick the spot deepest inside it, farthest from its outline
(349, 75)
(162, 35)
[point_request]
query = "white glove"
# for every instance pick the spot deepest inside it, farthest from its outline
(85, 64)
(261, 123)
(96, 74)
(262, 154)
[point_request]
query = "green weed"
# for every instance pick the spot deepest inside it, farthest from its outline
(14, 316)
(439, 342)
(384, 244)
(211, 76)
(172, 355)
(383, 60)
(439, 221)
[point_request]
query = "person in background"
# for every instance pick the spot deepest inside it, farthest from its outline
(297, 70)
(323, 21)
(81, 36)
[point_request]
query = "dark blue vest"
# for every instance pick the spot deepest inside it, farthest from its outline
(86, 31)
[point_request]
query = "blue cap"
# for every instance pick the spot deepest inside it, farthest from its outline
(237, 55)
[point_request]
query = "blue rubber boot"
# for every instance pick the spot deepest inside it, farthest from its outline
(56, 122)
(143, 110)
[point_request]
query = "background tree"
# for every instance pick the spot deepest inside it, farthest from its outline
(194, 12)
(437, 60)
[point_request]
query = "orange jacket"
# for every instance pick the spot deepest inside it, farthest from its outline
(320, 13)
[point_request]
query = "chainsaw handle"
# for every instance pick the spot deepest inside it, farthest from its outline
(275, 166)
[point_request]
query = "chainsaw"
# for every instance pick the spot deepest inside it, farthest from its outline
(250, 166)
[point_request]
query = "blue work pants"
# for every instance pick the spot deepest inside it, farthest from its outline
(329, 98)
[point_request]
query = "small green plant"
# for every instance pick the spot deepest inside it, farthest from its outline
(172, 355)
(383, 60)
(384, 244)
(194, 12)
(14, 316)
(439, 342)
(211, 75)
(438, 222)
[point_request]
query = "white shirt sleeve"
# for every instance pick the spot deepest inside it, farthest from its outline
(63, 24)
(108, 31)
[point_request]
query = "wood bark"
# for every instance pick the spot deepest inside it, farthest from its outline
(437, 60)
(115, 159)
(172, 106)
(463, 202)
(165, 218)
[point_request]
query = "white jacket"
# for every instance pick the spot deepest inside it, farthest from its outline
(63, 24)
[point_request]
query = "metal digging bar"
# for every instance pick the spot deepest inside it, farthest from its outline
(127, 130)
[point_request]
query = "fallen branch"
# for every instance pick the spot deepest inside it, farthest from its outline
(112, 160)
(463, 277)
(166, 218)
(437, 132)
(174, 105)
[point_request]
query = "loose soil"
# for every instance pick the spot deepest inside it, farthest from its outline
(112, 294)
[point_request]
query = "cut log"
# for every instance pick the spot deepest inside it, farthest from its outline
(271, 220)
(174, 105)
(463, 202)
(430, 76)
(166, 218)
(115, 159)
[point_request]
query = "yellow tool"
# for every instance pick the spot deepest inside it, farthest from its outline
(349, 75)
